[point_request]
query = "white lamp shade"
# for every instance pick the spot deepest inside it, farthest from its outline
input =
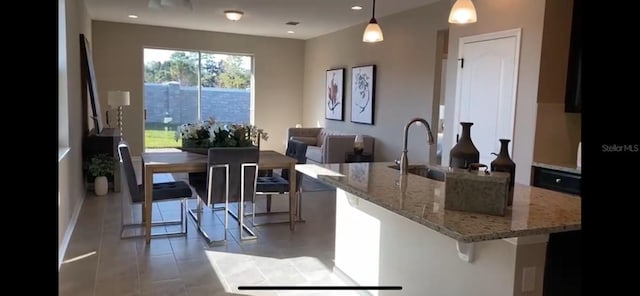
(233, 15)
(463, 12)
(118, 98)
(373, 32)
(358, 142)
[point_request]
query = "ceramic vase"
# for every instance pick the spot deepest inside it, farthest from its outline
(464, 152)
(504, 163)
(101, 185)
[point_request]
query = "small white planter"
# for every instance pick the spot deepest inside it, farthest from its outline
(101, 185)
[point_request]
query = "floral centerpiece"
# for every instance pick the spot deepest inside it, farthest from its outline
(209, 133)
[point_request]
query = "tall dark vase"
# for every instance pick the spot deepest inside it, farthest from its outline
(464, 152)
(504, 163)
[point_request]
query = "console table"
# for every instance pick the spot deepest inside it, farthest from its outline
(105, 142)
(362, 157)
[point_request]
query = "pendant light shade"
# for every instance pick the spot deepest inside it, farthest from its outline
(463, 12)
(373, 32)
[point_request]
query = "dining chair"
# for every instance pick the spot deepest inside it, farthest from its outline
(231, 177)
(279, 184)
(162, 192)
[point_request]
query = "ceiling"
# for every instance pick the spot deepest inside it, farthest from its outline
(261, 17)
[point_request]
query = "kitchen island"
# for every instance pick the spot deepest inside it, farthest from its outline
(393, 230)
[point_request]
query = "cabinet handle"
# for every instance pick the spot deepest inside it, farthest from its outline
(558, 180)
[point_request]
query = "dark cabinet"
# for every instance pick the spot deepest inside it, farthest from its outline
(562, 274)
(105, 142)
(557, 180)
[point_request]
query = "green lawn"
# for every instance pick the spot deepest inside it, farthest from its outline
(159, 138)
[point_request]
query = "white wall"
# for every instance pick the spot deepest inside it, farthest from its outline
(405, 63)
(557, 132)
(406, 67)
(118, 61)
(70, 184)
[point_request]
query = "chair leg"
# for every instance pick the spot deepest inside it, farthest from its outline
(182, 222)
(253, 213)
(269, 203)
(300, 204)
(183, 213)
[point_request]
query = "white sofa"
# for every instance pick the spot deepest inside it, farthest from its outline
(326, 146)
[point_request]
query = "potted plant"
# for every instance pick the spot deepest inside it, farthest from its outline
(101, 167)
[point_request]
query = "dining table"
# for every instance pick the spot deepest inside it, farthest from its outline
(191, 162)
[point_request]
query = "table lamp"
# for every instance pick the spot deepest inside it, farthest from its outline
(358, 144)
(118, 98)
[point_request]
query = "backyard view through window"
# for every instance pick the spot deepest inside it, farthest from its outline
(186, 86)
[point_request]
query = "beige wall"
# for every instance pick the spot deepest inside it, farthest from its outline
(118, 60)
(405, 65)
(71, 190)
(499, 15)
(557, 132)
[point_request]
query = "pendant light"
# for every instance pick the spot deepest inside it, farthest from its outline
(463, 12)
(372, 33)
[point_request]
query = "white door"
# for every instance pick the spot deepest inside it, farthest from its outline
(486, 94)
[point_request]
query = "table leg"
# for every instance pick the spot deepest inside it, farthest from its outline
(148, 191)
(143, 206)
(293, 195)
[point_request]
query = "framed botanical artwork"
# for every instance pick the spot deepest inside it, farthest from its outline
(363, 90)
(334, 97)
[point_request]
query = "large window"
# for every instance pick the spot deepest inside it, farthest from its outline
(186, 86)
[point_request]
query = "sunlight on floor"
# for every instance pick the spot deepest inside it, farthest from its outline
(79, 257)
(235, 269)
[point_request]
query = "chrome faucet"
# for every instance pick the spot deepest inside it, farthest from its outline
(404, 162)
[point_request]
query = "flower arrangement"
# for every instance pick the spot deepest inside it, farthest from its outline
(209, 133)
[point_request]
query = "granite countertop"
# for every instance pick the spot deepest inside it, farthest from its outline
(535, 210)
(565, 167)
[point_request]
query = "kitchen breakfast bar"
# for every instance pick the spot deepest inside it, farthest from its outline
(393, 230)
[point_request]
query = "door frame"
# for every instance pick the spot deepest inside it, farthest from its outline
(517, 33)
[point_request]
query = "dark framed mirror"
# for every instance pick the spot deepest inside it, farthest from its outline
(89, 80)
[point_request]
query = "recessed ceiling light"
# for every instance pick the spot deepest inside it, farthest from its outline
(233, 15)
(357, 7)
(133, 16)
(290, 32)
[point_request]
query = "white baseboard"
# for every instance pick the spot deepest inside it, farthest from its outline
(62, 249)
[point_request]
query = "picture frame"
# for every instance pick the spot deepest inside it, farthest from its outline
(363, 94)
(334, 94)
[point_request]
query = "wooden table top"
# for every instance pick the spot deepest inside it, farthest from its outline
(267, 159)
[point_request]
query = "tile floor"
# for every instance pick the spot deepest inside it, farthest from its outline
(97, 262)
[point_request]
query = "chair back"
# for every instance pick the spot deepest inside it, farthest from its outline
(298, 150)
(234, 157)
(129, 172)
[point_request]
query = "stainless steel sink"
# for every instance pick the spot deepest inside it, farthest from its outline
(423, 171)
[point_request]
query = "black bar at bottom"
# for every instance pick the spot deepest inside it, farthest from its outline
(320, 288)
